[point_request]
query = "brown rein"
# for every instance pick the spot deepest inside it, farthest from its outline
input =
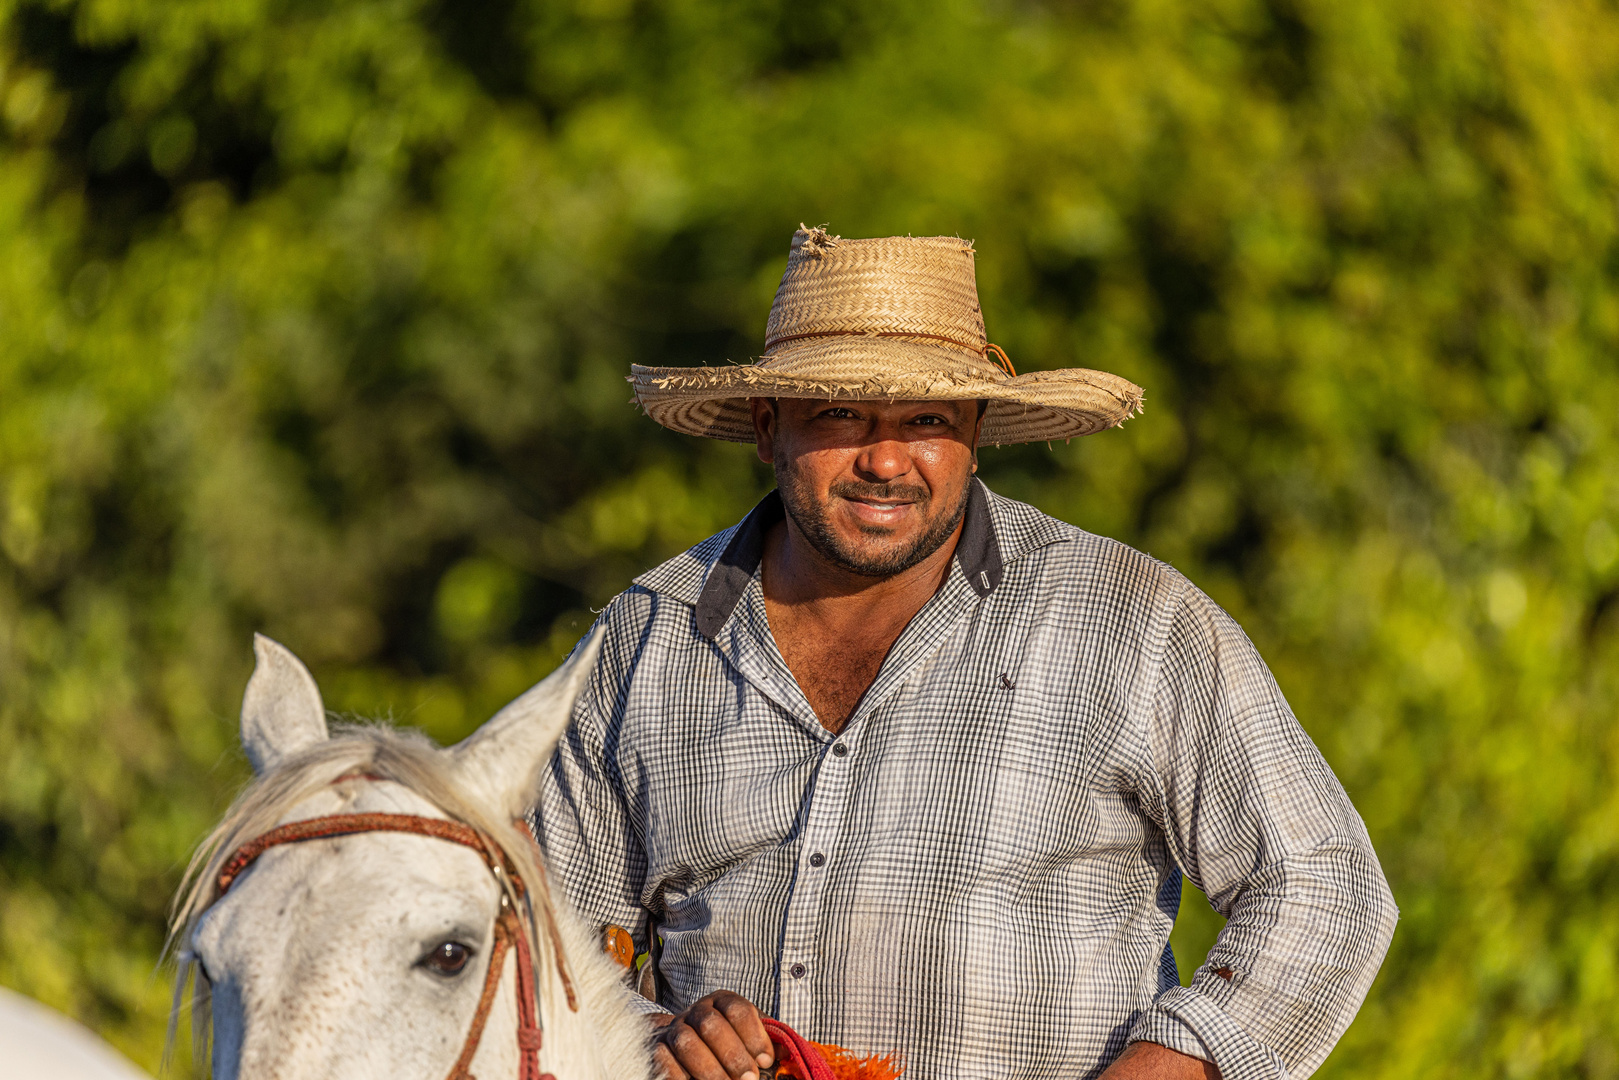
(509, 933)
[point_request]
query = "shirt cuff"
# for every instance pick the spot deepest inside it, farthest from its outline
(643, 1007)
(1190, 1023)
(1157, 1026)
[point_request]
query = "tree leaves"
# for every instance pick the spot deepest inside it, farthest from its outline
(313, 320)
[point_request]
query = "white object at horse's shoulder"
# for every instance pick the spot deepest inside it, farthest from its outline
(39, 1043)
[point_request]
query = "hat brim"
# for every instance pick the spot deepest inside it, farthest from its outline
(1039, 406)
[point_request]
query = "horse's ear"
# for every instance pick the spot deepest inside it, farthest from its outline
(504, 757)
(281, 711)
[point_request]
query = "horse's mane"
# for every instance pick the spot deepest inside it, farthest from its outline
(371, 751)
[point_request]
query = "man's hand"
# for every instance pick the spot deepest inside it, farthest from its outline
(1149, 1061)
(718, 1038)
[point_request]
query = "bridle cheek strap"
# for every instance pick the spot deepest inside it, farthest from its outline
(509, 933)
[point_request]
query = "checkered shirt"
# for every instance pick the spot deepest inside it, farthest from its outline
(981, 870)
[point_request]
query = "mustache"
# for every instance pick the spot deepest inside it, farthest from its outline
(860, 489)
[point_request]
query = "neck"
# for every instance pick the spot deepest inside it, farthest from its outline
(834, 627)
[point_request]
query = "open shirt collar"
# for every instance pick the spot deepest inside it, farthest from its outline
(713, 576)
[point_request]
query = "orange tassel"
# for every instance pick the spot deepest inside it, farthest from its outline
(850, 1066)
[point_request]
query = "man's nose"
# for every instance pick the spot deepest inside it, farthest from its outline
(882, 461)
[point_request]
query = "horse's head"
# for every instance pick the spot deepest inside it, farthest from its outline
(365, 954)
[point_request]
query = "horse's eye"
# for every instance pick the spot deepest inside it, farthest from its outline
(448, 958)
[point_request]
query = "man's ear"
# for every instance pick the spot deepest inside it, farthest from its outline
(281, 711)
(766, 415)
(503, 759)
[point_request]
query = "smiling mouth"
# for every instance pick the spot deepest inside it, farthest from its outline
(879, 504)
(880, 514)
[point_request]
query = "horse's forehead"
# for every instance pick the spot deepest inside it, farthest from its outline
(394, 876)
(411, 882)
(360, 871)
(397, 858)
(362, 796)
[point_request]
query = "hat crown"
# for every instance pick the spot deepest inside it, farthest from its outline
(888, 319)
(896, 286)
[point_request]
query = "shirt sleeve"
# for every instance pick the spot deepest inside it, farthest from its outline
(1256, 819)
(582, 818)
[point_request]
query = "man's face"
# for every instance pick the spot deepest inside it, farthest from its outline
(876, 487)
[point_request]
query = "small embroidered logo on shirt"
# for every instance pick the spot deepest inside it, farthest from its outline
(1006, 682)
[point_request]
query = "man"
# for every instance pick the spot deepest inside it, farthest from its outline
(918, 769)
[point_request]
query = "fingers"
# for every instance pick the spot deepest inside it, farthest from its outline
(691, 1054)
(745, 1021)
(711, 1018)
(720, 1037)
(664, 1060)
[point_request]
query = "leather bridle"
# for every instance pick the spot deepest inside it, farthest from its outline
(510, 931)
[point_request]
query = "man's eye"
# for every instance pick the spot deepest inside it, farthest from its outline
(447, 958)
(839, 414)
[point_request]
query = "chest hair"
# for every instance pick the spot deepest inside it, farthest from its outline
(834, 669)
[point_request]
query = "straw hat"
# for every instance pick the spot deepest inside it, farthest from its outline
(889, 319)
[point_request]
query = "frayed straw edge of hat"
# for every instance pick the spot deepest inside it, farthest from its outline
(894, 389)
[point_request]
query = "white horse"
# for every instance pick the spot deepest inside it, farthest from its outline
(330, 945)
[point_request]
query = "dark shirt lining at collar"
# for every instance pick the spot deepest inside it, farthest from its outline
(977, 552)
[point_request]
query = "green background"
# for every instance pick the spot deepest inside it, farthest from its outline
(314, 318)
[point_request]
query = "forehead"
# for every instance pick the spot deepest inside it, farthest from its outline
(367, 886)
(416, 882)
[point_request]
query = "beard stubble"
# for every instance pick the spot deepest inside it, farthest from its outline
(813, 519)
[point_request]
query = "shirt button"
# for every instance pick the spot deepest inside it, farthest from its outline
(797, 971)
(817, 859)
(839, 749)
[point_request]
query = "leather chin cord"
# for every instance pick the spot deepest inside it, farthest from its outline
(509, 933)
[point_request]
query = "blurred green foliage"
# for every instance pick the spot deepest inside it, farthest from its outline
(314, 317)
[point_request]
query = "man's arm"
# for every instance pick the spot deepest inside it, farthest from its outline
(1255, 818)
(1149, 1061)
(582, 819)
(587, 829)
